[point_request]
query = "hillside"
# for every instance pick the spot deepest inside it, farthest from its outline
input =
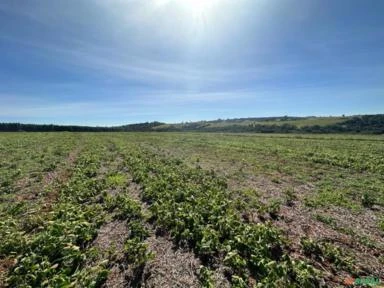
(365, 124)
(350, 124)
(296, 121)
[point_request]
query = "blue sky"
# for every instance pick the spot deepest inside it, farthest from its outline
(111, 62)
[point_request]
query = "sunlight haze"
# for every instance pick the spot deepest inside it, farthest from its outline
(115, 62)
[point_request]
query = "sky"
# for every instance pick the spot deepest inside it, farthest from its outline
(113, 62)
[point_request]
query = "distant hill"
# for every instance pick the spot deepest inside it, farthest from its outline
(298, 122)
(367, 124)
(371, 124)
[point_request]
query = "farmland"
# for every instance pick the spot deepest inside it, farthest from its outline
(190, 209)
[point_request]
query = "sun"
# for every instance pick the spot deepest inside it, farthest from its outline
(198, 8)
(196, 12)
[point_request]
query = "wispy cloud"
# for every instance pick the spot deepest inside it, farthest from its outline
(121, 60)
(106, 61)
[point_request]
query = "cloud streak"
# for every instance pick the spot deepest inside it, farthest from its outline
(116, 60)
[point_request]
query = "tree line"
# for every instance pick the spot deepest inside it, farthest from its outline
(367, 124)
(19, 127)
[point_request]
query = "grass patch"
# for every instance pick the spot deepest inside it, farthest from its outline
(326, 197)
(381, 224)
(117, 180)
(325, 219)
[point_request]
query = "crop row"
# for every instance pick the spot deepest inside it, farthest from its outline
(195, 207)
(29, 157)
(56, 250)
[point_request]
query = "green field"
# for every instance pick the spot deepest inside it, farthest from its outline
(190, 209)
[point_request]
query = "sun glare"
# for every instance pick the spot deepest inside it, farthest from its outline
(195, 8)
(195, 12)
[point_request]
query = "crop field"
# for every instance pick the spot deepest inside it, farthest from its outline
(190, 210)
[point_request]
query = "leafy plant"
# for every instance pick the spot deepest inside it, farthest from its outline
(290, 196)
(326, 251)
(205, 277)
(367, 200)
